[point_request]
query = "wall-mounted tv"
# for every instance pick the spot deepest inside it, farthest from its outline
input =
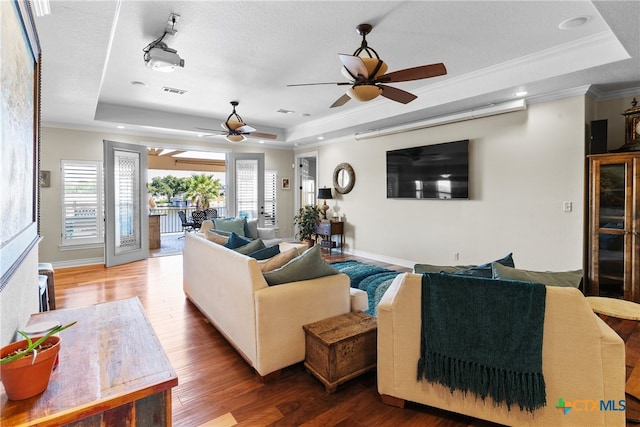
(439, 171)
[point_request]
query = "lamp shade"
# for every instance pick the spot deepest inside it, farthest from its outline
(324, 193)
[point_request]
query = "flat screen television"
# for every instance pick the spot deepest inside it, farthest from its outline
(439, 171)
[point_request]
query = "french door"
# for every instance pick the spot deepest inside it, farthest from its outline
(126, 216)
(245, 186)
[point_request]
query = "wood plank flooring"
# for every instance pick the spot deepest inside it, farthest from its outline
(216, 386)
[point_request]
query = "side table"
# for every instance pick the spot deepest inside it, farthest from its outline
(328, 229)
(341, 348)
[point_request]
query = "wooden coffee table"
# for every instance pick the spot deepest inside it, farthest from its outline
(340, 348)
(112, 371)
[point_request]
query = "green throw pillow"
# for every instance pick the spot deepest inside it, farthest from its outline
(230, 224)
(254, 245)
(428, 268)
(235, 241)
(309, 265)
(484, 270)
(550, 278)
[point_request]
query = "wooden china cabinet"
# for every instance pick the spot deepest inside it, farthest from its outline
(614, 225)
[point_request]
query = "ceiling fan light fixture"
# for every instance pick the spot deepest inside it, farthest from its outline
(235, 138)
(364, 93)
(233, 124)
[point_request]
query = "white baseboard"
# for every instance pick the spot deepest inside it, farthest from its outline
(382, 258)
(77, 262)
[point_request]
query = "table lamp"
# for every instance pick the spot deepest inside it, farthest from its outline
(324, 193)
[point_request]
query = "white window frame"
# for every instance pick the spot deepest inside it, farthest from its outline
(95, 239)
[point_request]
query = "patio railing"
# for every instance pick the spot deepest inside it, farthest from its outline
(170, 221)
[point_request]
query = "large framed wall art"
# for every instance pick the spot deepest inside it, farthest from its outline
(19, 135)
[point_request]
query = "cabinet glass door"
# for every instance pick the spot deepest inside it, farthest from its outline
(612, 228)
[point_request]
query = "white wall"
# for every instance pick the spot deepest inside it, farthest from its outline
(19, 298)
(523, 166)
(59, 144)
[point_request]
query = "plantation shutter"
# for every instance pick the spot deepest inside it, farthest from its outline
(82, 203)
(270, 191)
(247, 189)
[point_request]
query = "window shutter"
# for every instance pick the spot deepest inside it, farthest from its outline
(270, 187)
(247, 189)
(82, 203)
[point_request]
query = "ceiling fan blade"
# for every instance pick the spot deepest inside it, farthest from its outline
(315, 84)
(341, 101)
(263, 135)
(244, 129)
(217, 132)
(354, 64)
(415, 73)
(396, 94)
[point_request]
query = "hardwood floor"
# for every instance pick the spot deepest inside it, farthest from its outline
(217, 387)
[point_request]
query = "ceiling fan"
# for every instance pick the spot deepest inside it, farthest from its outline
(236, 129)
(367, 76)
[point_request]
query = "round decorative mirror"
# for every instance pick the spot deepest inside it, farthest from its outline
(343, 178)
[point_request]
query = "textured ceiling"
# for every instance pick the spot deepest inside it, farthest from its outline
(250, 50)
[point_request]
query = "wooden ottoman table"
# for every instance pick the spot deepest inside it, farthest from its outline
(340, 348)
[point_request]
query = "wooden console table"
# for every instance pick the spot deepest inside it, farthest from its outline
(328, 229)
(112, 371)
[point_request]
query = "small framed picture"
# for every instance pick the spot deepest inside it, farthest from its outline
(45, 178)
(286, 184)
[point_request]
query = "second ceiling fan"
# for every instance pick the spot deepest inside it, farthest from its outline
(367, 76)
(236, 128)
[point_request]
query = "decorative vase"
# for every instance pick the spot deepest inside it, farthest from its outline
(24, 378)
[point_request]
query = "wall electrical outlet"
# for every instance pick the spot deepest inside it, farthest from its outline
(567, 206)
(456, 256)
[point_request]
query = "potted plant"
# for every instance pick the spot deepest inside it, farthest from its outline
(26, 365)
(307, 219)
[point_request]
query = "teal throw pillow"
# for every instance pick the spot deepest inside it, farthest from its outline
(230, 224)
(307, 266)
(484, 270)
(235, 241)
(252, 246)
(567, 279)
(266, 253)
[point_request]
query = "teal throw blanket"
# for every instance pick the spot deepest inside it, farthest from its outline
(484, 336)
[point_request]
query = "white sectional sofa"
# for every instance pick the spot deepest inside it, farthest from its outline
(264, 323)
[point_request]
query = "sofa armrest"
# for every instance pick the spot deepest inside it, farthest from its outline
(282, 310)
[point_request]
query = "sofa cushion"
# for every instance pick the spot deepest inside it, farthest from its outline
(484, 270)
(550, 278)
(230, 224)
(235, 241)
(278, 261)
(307, 266)
(252, 246)
(265, 253)
(216, 237)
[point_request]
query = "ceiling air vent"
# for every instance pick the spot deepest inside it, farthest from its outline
(174, 90)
